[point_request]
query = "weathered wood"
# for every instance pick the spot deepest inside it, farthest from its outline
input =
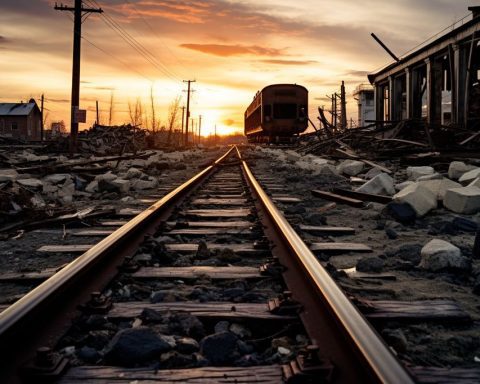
(241, 249)
(240, 212)
(271, 374)
(413, 311)
(128, 212)
(327, 230)
(93, 232)
(197, 271)
(27, 276)
(219, 202)
(72, 248)
(129, 310)
(337, 198)
(436, 375)
(339, 247)
(363, 196)
(147, 200)
(208, 232)
(113, 223)
(287, 199)
(214, 224)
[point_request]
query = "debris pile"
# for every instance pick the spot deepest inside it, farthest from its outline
(104, 140)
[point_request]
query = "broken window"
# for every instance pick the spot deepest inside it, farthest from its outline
(419, 92)
(473, 114)
(400, 98)
(14, 126)
(442, 90)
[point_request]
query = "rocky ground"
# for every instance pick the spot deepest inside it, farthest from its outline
(423, 240)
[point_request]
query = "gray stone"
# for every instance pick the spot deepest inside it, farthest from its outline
(105, 185)
(405, 184)
(414, 173)
(134, 173)
(372, 173)
(475, 183)
(220, 348)
(382, 184)
(420, 198)
(8, 175)
(240, 331)
(109, 176)
(140, 185)
(439, 255)
(464, 200)
(469, 176)
(439, 187)
(57, 178)
(187, 345)
(350, 167)
(92, 187)
(133, 346)
(434, 176)
(370, 264)
(457, 168)
(31, 183)
(123, 185)
(222, 326)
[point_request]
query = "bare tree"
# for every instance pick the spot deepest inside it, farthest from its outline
(110, 115)
(172, 121)
(154, 122)
(136, 113)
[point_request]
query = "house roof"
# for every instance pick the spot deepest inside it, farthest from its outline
(16, 109)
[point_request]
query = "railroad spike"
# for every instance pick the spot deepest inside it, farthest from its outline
(45, 367)
(308, 368)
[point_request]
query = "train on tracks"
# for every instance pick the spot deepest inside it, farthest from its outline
(277, 114)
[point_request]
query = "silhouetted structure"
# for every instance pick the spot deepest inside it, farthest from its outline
(21, 120)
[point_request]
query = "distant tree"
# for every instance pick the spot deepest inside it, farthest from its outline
(173, 116)
(154, 124)
(136, 113)
(110, 115)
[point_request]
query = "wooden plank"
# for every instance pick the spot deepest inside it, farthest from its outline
(219, 202)
(339, 247)
(363, 196)
(197, 271)
(215, 309)
(241, 212)
(73, 248)
(27, 276)
(128, 212)
(113, 223)
(241, 249)
(146, 201)
(93, 232)
(414, 311)
(270, 374)
(287, 199)
(214, 224)
(209, 232)
(354, 274)
(327, 230)
(337, 198)
(437, 375)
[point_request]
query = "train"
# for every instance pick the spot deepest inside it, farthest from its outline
(277, 114)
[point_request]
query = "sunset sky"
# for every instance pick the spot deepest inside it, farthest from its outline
(231, 48)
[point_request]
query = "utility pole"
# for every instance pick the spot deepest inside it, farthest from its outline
(183, 118)
(78, 12)
(199, 129)
(97, 121)
(343, 106)
(188, 109)
(41, 126)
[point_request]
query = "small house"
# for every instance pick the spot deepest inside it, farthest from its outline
(21, 121)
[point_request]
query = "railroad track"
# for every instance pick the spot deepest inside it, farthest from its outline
(209, 284)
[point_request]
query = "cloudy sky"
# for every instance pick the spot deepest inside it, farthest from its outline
(231, 48)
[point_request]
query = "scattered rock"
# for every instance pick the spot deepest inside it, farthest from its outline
(408, 252)
(457, 168)
(222, 326)
(350, 167)
(8, 175)
(372, 173)
(382, 184)
(420, 198)
(469, 176)
(202, 252)
(132, 346)
(370, 264)
(220, 348)
(402, 212)
(88, 354)
(187, 345)
(464, 200)
(391, 234)
(439, 186)
(405, 184)
(439, 255)
(31, 183)
(396, 339)
(414, 173)
(240, 331)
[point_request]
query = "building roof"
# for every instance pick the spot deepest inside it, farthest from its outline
(453, 36)
(16, 109)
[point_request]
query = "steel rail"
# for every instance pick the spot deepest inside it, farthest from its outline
(26, 309)
(365, 341)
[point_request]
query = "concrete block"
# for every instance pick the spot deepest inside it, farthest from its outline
(402, 212)
(134, 173)
(382, 184)
(350, 167)
(414, 173)
(440, 187)
(439, 255)
(457, 168)
(372, 173)
(144, 184)
(57, 178)
(469, 176)
(464, 200)
(405, 184)
(475, 183)
(92, 187)
(421, 199)
(123, 185)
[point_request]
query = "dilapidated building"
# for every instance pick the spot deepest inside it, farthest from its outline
(21, 121)
(438, 83)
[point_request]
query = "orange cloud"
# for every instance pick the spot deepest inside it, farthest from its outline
(229, 122)
(232, 50)
(289, 62)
